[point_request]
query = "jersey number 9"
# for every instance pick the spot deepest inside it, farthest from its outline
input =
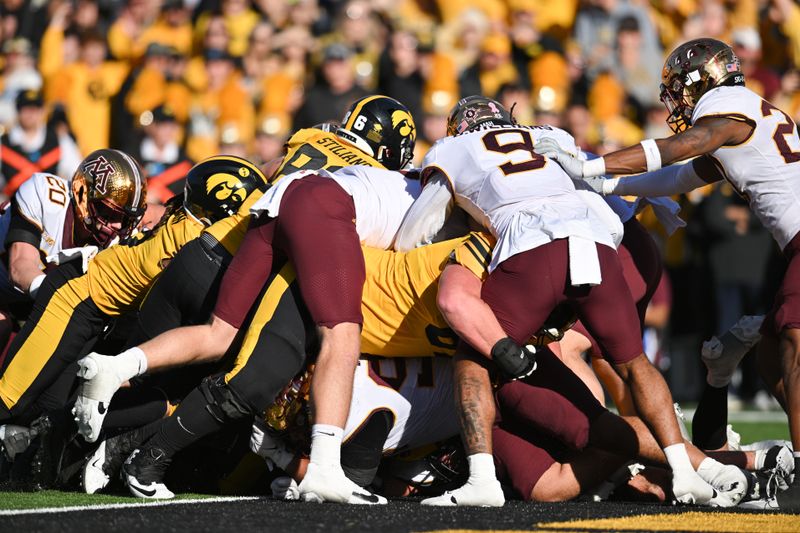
(492, 143)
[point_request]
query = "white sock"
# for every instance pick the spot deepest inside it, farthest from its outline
(326, 445)
(678, 459)
(481, 467)
(131, 363)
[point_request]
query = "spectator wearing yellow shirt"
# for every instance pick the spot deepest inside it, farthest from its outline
(239, 19)
(492, 69)
(215, 36)
(88, 86)
(130, 34)
(223, 103)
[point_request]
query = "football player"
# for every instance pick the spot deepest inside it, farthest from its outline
(488, 166)
(49, 215)
(72, 308)
(323, 218)
(735, 135)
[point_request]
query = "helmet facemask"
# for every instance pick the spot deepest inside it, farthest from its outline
(108, 221)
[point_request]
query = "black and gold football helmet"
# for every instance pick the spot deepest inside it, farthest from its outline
(109, 191)
(381, 127)
(690, 71)
(472, 111)
(218, 186)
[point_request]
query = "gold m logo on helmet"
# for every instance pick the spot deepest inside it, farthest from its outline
(403, 123)
(221, 186)
(100, 170)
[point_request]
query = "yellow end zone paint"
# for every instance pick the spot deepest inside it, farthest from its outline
(691, 521)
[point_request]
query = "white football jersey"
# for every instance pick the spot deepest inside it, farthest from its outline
(420, 398)
(524, 199)
(765, 169)
(43, 200)
(381, 197)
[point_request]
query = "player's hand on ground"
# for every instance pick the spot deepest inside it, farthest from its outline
(285, 488)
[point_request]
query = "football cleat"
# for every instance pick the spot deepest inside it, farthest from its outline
(100, 382)
(690, 488)
(487, 493)
(329, 484)
(95, 478)
(14, 440)
(777, 460)
(105, 462)
(143, 473)
(729, 482)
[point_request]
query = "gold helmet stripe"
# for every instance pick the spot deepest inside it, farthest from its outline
(137, 194)
(357, 111)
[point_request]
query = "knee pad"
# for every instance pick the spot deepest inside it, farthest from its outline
(222, 402)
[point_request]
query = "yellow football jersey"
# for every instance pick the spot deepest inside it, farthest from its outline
(120, 276)
(313, 149)
(308, 149)
(401, 318)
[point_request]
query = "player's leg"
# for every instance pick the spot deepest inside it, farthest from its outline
(721, 357)
(62, 326)
(570, 350)
(185, 292)
(316, 229)
(608, 312)
(521, 298)
(273, 351)
(239, 288)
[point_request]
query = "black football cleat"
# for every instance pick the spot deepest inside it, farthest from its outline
(144, 471)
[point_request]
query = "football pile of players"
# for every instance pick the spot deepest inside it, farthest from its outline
(339, 327)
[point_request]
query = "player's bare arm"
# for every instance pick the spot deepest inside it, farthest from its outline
(24, 265)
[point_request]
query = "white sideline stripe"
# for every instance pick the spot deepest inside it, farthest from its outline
(110, 506)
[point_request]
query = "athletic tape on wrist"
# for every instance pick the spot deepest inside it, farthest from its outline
(35, 284)
(651, 154)
(594, 167)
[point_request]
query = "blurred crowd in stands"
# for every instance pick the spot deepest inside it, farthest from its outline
(174, 81)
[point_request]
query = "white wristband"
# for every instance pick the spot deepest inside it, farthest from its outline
(651, 154)
(609, 186)
(594, 167)
(34, 288)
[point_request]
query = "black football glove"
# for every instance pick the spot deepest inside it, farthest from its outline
(513, 360)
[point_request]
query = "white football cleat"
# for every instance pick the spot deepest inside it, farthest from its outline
(729, 482)
(485, 493)
(690, 488)
(329, 484)
(100, 382)
(95, 478)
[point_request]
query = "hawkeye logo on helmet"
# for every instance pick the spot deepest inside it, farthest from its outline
(223, 186)
(402, 122)
(100, 170)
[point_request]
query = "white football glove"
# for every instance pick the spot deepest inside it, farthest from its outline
(550, 148)
(267, 446)
(85, 252)
(285, 488)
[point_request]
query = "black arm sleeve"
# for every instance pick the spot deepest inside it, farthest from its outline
(21, 229)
